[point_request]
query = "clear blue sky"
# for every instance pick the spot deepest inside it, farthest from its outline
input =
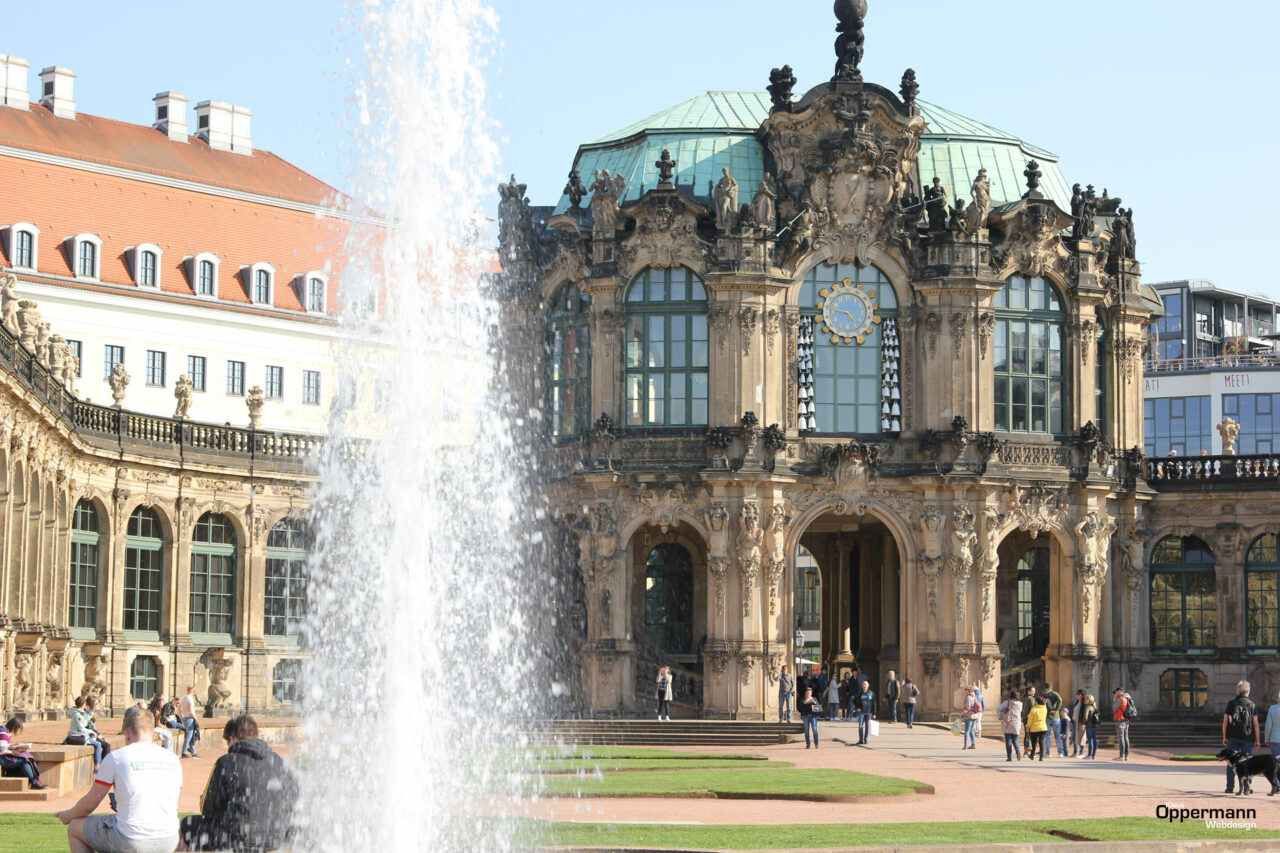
(1158, 101)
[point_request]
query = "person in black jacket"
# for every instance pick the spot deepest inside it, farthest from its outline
(248, 804)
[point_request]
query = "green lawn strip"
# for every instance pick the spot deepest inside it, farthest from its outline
(607, 765)
(599, 752)
(32, 833)
(1194, 756)
(800, 836)
(745, 783)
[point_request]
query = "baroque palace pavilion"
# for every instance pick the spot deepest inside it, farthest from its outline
(851, 363)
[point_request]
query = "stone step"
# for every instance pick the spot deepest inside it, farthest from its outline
(24, 796)
(12, 783)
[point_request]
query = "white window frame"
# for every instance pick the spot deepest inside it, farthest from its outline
(77, 246)
(11, 244)
(304, 287)
(251, 282)
(193, 273)
(136, 256)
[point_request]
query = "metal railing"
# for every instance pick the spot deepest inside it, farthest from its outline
(1212, 362)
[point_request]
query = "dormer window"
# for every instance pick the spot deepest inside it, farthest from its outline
(87, 251)
(203, 272)
(146, 265)
(314, 287)
(261, 280)
(21, 245)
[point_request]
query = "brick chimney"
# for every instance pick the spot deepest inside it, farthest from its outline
(13, 82)
(56, 91)
(171, 115)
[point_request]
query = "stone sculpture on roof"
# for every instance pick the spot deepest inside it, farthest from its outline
(981, 206)
(849, 14)
(606, 191)
(726, 197)
(765, 203)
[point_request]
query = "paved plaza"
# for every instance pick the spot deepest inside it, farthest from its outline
(969, 785)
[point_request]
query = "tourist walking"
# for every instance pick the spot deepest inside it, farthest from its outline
(146, 780)
(1077, 725)
(1091, 720)
(786, 695)
(892, 691)
(833, 700)
(864, 702)
(1240, 729)
(16, 758)
(1121, 709)
(909, 694)
(1010, 714)
(1038, 727)
(187, 713)
(810, 710)
(664, 694)
(969, 716)
(1272, 733)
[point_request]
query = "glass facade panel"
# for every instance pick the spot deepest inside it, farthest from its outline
(1259, 419)
(1180, 424)
(665, 359)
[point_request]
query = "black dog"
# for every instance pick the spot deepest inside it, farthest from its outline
(1252, 765)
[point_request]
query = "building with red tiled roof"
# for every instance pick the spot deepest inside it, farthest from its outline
(172, 252)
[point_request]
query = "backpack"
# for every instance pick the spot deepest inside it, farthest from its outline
(1242, 717)
(1130, 710)
(1091, 716)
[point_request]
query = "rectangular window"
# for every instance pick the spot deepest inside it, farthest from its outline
(1171, 322)
(88, 259)
(24, 256)
(147, 269)
(311, 387)
(77, 352)
(235, 378)
(212, 592)
(315, 294)
(155, 367)
(1178, 424)
(274, 382)
(285, 601)
(196, 371)
(204, 284)
(112, 355)
(141, 589)
(84, 583)
(262, 286)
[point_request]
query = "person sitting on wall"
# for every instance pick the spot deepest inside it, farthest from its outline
(16, 758)
(147, 781)
(82, 732)
(248, 804)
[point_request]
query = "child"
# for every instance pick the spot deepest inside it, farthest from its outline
(1064, 732)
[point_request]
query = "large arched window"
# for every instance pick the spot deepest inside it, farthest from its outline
(568, 362)
(82, 599)
(848, 352)
(285, 602)
(1184, 595)
(668, 598)
(666, 349)
(1262, 593)
(213, 575)
(143, 568)
(1029, 389)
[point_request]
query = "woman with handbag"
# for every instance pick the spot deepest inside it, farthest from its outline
(1010, 714)
(970, 717)
(664, 694)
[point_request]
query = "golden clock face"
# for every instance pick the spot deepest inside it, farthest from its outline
(848, 312)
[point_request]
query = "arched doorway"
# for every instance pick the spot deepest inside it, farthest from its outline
(668, 599)
(808, 607)
(858, 590)
(1029, 602)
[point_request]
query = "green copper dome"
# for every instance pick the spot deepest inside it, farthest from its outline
(716, 129)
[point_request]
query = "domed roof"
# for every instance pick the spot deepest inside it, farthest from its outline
(718, 129)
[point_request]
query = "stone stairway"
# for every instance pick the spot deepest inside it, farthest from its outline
(13, 789)
(654, 733)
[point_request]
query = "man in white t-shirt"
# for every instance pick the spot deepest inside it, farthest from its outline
(147, 779)
(187, 713)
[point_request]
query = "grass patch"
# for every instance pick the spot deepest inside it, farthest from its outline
(575, 765)
(793, 836)
(1194, 756)
(32, 833)
(746, 783)
(601, 752)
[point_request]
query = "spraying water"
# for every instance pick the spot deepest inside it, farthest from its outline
(418, 618)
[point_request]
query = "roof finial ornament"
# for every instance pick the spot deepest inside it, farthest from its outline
(575, 190)
(849, 14)
(781, 82)
(909, 88)
(1033, 174)
(666, 166)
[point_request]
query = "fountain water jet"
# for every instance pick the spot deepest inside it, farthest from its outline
(418, 597)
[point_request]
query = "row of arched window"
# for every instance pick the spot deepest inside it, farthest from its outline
(1184, 595)
(845, 384)
(144, 679)
(214, 558)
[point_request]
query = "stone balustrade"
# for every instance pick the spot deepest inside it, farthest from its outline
(1260, 470)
